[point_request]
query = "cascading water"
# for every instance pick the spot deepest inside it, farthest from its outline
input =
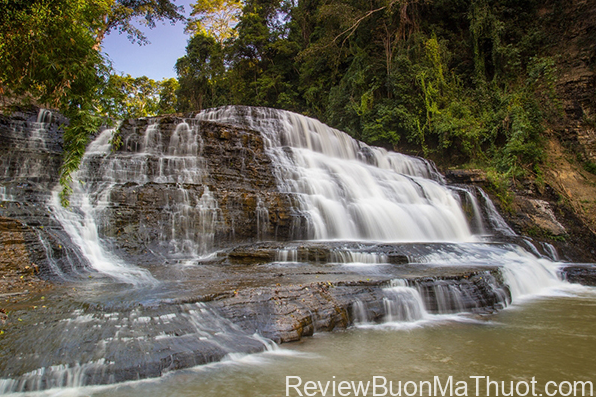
(187, 220)
(89, 200)
(82, 229)
(496, 220)
(366, 207)
(173, 336)
(348, 190)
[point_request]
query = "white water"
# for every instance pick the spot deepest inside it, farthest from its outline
(496, 220)
(348, 256)
(80, 221)
(82, 229)
(346, 190)
(184, 329)
(404, 308)
(37, 140)
(4, 195)
(349, 190)
(187, 221)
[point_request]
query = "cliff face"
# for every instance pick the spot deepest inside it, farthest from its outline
(160, 202)
(573, 27)
(31, 242)
(571, 146)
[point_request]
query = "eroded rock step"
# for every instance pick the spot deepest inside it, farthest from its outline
(129, 335)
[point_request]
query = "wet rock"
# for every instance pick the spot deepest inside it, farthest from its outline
(397, 259)
(236, 173)
(32, 243)
(470, 292)
(248, 256)
(539, 215)
(30, 149)
(471, 176)
(289, 313)
(581, 274)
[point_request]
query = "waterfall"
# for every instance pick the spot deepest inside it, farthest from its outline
(469, 201)
(348, 190)
(343, 189)
(4, 195)
(187, 220)
(496, 220)
(348, 256)
(373, 234)
(82, 229)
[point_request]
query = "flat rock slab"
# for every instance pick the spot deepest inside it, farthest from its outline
(584, 274)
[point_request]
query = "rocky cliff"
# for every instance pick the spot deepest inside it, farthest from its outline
(31, 241)
(153, 212)
(571, 146)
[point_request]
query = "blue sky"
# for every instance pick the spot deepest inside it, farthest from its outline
(155, 60)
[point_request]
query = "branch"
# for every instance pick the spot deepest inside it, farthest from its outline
(354, 26)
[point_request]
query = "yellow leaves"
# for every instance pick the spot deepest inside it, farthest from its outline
(216, 18)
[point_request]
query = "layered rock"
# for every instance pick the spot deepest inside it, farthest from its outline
(32, 242)
(230, 198)
(539, 212)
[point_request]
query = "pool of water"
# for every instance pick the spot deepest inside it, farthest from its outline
(546, 339)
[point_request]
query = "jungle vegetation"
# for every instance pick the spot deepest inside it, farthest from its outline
(464, 82)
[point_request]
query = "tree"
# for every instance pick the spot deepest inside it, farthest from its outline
(126, 97)
(261, 58)
(200, 73)
(465, 80)
(123, 12)
(168, 102)
(47, 49)
(50, 53)
(216, 18)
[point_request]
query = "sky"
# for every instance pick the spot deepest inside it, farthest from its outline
(155, 60)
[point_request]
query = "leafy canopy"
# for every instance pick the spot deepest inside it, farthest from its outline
(464, 82)
(50, 55)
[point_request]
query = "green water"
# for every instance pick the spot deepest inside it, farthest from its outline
(548, 339)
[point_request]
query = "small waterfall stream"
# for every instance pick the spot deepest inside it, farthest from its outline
(371, 214)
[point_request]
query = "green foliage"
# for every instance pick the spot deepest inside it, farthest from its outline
(48, 52)
(200, 74)
(168, 101)
(124, 13)
(500, 187)
(590, 166)
(82, 123)
(462, 82)
(127, 97)
(50, 55)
